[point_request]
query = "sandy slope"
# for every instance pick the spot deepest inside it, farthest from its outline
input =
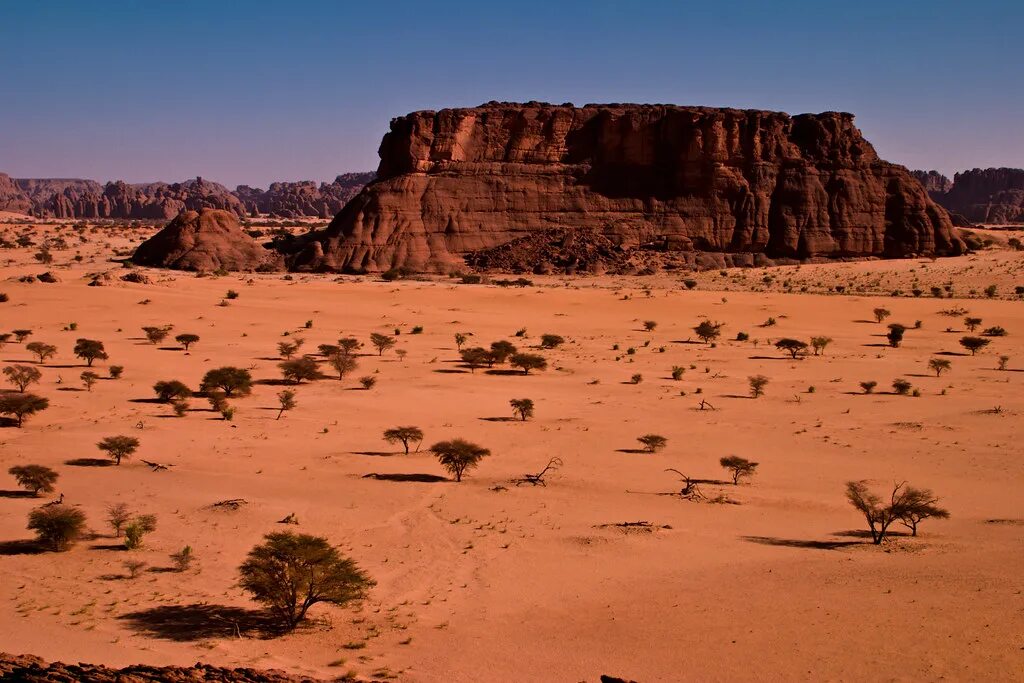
(522, 583)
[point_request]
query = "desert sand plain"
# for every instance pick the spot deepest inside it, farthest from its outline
(486, 580)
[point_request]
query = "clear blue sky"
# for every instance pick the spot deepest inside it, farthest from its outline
(249, 92)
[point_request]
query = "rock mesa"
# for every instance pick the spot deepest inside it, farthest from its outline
(657, 177)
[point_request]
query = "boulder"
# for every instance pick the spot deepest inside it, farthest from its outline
(205, 240)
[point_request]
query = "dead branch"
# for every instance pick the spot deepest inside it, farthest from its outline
(538, 479)
(157, 466)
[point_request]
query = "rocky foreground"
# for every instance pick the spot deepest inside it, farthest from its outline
(658, 177)
(29, 669)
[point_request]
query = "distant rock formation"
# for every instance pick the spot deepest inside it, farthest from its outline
(991, 195)
(12, 198)
(206, 240)
(934, 183)
(75, 198)
(304, 198)
(658, 177)
(29, 669)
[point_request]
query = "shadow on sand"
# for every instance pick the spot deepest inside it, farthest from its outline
(184, 623)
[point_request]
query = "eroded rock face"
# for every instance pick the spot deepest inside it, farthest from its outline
(991, 195)
(29, 669)
(205, 240)
(12, 198)
(305, 198)
(934, 183)
(656, 176)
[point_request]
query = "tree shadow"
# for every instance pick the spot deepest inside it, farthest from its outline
(146, 400)
(185, 623)
(499, 419)
(688, 341)
(115, 547)
(25, 547)
(378, 454)
(276, 382)
(736, 396)
(69, 389)
(417, 477)
(17, 494)
(869, 322)
(450, 371)
(951, 353)
(799, 543)
(89, 462)
(864, 533)
(169, 348)
(8, 422)
(774, 358)
(506, 372)
(641, 451)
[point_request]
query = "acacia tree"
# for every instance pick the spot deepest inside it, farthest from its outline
(974, 344)
(57, 527)
(286, 401)
(708, 331)
(382, 342)
(119, 447)
(90, 350)
(895, 335)
(22, 376)
(404, 435)
(522, 407)
(155, 335)
(349, 345)
(819, 344)
(918, 505)
(289, 573)
(89, 378)
(881, 314)
(171, 390)
(757, 384)
(21, 335)
(475, 357)
(528, 361)
(792, 346)
(738, 467)
(186, 340)
(939, 365)
(41, 351)
(877, 514)
(343, 363)
(230, 380)
(458, 455)
(502, 350)
(652, 442)
(34, 478)
(301, 369)
(550, 341)
(118, 515)
(21, 405)
(460, 339)
(972, 323)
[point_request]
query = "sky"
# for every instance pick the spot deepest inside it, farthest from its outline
(253, 92)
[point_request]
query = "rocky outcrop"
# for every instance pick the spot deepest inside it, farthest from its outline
(305, 198)
(991, 195)
(74, 198)
(29, 669)
(934, 183)
(656, 177)
(12, 198)
(206, 240)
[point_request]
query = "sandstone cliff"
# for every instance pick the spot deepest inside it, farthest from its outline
(934, 183)
(75, 198)
(991, 195)
(12, 198)
(206, 240)
(655, 176)
(304, 198)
